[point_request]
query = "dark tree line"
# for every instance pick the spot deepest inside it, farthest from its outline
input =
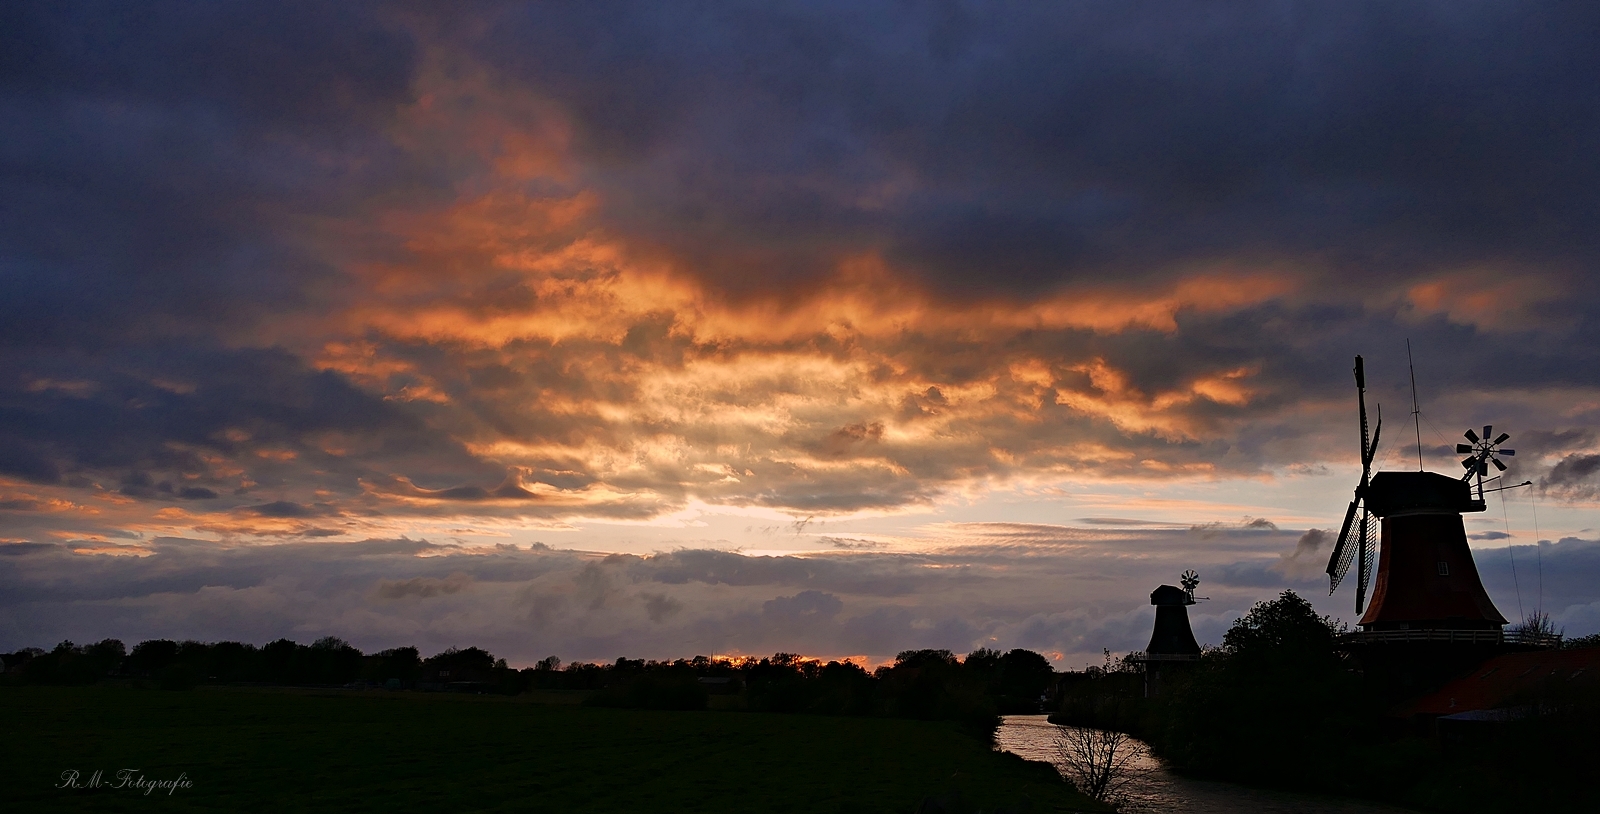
(328, 661)
(926, 684)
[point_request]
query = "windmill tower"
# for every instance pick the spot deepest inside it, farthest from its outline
(1429, 615)
(1172, 644)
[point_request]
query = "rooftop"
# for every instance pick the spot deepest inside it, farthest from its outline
(1506, 680)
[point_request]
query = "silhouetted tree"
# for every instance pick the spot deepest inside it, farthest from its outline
(654, 685)
(1277, 702)
(930, 684)
(152, 656)
(1023, 677)
(843, 688)
(233, 661)
(460, 665)
(279, 662)
(330, 660)
(68, 663)
(402, 665)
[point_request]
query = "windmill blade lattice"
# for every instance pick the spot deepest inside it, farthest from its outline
(1343, 553)
(1369, 542)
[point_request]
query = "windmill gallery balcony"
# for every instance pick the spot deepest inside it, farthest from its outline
(1521, 639)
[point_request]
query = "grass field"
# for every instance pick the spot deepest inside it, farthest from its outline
(249, 750)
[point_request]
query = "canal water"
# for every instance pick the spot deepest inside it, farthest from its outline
(1154, 789)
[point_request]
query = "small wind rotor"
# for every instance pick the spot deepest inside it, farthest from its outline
(1358, 546)
(1481, 453)
(1190, 581)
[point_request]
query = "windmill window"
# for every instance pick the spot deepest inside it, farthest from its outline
(1444, 569)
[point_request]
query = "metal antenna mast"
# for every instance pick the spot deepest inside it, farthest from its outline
(1416, 412)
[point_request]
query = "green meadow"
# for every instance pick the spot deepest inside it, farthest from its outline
(249, 749)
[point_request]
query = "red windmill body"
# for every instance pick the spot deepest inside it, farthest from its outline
(1427, 579)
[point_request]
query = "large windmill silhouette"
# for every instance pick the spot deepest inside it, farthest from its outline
(1429, 616)
(1426, 585)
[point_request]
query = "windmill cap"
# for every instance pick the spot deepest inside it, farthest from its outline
(1169, 595)
(1393, 493)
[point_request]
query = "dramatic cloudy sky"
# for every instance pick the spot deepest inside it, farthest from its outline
(600, 329)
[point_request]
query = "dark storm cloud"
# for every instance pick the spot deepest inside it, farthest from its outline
(1042, 143)
(803, 606)
(283, 508)
(154, 154)
(1575, 475)
(144, 417)
(422, 587)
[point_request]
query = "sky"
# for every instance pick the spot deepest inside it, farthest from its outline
(654, 330)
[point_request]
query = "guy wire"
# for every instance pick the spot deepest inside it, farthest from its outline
(1538, 547)
(1416, 412)
(1511, 550)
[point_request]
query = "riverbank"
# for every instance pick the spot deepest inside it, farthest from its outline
(1153, 788)
(251, 749)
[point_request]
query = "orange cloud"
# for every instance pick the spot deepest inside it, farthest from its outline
(1490, 299)
(1113, 397)
(613, 379)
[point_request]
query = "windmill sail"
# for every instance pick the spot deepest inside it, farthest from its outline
(1339, 563)
(1359, 548)
(1364, 556)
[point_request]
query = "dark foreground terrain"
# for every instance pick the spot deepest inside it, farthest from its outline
(249, 749)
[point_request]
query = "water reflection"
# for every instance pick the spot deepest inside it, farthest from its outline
(1154, 789)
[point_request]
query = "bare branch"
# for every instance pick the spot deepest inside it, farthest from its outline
(1101, 763)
